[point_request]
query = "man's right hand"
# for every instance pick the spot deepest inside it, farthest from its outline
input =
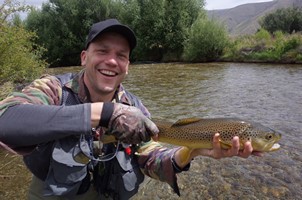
(129, 125)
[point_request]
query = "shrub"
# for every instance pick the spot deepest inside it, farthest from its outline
(206, 41)
(19, 57)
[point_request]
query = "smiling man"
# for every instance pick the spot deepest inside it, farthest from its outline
(106, 61)
(57, 124)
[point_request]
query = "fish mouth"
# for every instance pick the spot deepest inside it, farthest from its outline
(275, 147)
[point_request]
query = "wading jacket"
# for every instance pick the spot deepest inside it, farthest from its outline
(41, 123)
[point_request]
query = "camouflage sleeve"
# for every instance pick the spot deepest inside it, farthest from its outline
(34, 116)
(155, 161)
(44, 91)
(144, 110)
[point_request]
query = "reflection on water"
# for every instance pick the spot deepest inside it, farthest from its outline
(269, 94)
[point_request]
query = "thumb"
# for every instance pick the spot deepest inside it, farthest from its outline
(151, 128)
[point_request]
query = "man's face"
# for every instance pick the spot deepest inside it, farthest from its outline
(106, 61)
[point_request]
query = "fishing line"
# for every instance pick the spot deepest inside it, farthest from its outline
(86, 144)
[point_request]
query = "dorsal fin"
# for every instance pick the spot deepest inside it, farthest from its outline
(186, 121)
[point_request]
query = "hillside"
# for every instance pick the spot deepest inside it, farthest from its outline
(243, 19)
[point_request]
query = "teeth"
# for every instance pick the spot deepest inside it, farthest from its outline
(107, 72)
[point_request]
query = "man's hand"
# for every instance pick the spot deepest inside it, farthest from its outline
(129, 125)
(217, 152)
(185, 155)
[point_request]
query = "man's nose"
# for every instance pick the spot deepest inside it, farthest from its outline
(111, 59)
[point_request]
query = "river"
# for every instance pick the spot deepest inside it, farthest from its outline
(265, 93)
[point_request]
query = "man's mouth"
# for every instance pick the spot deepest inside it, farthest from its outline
(107, 73)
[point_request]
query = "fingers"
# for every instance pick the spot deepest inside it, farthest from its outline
(234, 151)
(247, 151)
(151, 129)
(216, 142)
(131, 126)
(218, 152)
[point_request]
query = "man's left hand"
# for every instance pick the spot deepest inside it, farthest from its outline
(217, 152)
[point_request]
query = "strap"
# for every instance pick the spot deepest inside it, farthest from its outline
(64, 78)
(106, 114)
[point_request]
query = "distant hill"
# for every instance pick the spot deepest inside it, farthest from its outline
(243, 19)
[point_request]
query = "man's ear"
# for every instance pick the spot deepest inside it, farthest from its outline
(127, 68)
(83, 58)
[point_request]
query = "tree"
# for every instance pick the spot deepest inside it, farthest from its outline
(287, 20)
(178, 18)
(20, 58)
(62, 26)
(148, 28)
(206, 41)
(161, 26)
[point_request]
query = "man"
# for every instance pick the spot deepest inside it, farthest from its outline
(57, 123)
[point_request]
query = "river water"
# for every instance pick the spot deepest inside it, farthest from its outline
(269, 94)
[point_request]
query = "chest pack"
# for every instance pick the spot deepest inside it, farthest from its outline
(53, 163)
(119, 177)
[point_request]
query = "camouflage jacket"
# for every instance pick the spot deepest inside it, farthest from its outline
(154, 159)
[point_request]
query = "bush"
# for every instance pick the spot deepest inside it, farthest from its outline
(264, 47)
(19, 58)
(206, 41)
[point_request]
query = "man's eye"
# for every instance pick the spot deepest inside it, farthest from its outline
(102, 51)
(123, 56)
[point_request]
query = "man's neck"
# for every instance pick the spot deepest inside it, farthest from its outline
(101, 98)
(96, 97)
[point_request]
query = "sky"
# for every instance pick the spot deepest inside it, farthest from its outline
(223, 4)
(210, 4)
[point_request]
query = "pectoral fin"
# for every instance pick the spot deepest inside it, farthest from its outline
(225, 145)
(185, 153)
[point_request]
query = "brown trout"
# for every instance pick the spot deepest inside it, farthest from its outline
(198, 133)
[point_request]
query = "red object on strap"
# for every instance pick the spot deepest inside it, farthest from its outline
(128, 151)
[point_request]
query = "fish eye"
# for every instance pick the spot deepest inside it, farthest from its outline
(269, 137)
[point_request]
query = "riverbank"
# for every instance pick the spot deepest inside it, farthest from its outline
(265, 48)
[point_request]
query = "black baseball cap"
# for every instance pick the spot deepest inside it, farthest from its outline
(111, 25)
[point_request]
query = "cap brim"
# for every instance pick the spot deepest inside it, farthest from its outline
(121, 29)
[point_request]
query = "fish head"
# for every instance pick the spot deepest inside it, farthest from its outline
(264, 139)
